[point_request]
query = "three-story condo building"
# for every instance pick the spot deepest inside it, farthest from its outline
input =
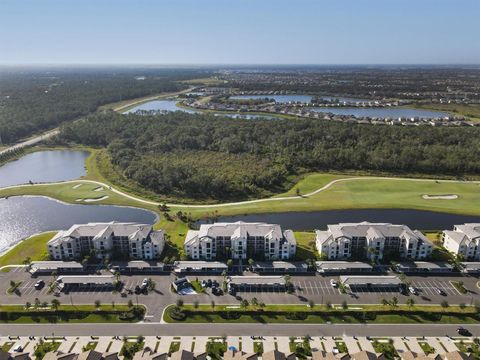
(240, 240)
(373, 241)
(135, 241)
(463, 240)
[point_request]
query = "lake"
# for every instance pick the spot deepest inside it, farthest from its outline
(158, 105)
(277, 98)
(416, 219)
(44, 166)
(383, 112)
(21, 217)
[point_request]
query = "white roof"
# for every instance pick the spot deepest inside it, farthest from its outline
(199, 264)
(463, 233)
(53, 265)
(367, 230)
(133, 231)
(238, 229)
(266, 280)
(370, 279)
(342, 265)
(86, 279)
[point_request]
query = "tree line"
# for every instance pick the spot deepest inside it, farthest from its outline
(210, 157)
(39, 99)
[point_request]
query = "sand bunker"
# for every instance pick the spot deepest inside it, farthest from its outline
(93, 200)
(97, 199)
(440, 197)
(77, 186)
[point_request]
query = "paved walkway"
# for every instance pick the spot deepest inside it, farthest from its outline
(233, 341)
(151, 342)
(268, 344)
(200, 343)
(352, 345)
(414, 346)
(399, 345)
(365, 344)
(186, 343)
(103, 342)
(329, 344)
(165, 342)
(283, 344)
(247, 344)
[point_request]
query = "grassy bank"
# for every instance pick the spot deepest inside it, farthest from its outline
(33, 248)
(470, 111)
(278, 314)
(18, 314)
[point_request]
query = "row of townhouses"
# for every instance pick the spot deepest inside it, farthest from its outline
(242, 240)
(138, 241)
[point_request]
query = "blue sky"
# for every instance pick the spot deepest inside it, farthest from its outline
(239, 31)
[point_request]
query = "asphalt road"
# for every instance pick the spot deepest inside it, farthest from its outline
(31, 141)
(147, 329)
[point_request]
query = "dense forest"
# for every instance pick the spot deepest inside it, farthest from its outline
(39, 99)
(209, 157)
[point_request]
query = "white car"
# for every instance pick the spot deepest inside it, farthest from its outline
(412, 290)
(334, 283)
(144, 284)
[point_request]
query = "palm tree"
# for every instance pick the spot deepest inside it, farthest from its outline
(55, 304)
(410, 303)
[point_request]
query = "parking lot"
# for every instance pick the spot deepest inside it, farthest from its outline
(307, 287)
(315, 286)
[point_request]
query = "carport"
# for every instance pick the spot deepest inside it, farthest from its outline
(138, 267)
(86, 282)
(364, 283)
(281, 267)
(212, 267)
(470, 267)
(418, 267)
(256, 283)
(60, 267)
(343, 267)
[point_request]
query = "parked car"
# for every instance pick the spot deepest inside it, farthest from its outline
(209, 282)
(144, 284)
(464, 332)
(18, 348)
(39, 284)
(334, 283)
(413, 290)
(215, 283)
(441, 292)
(217, 291)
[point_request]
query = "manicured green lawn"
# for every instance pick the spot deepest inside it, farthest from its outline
(34, 247)
(17, 314)
(305, 250)
(369, 314)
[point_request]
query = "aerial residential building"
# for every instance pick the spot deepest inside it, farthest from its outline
(103, 240)
(463, 240)
(240, 240)
(373, 241)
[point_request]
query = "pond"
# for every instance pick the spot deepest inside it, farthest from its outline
(384, 112)
(415, 219)
(158, 105)
(277, 98)
(21, 217)
(44, 166)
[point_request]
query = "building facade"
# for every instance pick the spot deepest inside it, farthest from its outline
(240, 240)
(107, 240)
(372, 241)
(463, 240)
